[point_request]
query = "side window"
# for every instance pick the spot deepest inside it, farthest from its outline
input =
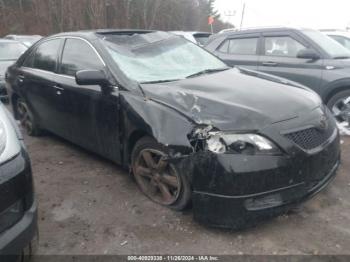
(29, 60)
(282, 46)
(45, 56)
(224, 46)
(79, 55)
(240, 46)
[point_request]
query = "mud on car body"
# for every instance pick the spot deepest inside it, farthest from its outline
(238, 144)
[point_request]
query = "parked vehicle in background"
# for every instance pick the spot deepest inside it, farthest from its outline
(302, 55)
(341, 36)
(28, 40)
(9, 53)
(199, 38)
(18, 208)
(228, 30)
(243, 146)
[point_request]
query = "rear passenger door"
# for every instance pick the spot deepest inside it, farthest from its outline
(279, 57)
(240, 51)
(37, 83)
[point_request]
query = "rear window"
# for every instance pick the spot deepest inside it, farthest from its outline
(202, 39)
(240, 46)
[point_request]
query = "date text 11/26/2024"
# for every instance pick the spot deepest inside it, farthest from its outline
(173, 258)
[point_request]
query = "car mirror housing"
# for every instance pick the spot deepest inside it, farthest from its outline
(92, 77)
(308, 54)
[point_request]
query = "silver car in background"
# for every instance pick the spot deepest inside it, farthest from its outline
(341, 36)
(27, 40)
(199, 38)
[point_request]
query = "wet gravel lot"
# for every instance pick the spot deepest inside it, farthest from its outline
(91, 206)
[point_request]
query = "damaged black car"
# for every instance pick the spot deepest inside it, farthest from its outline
(238, 145)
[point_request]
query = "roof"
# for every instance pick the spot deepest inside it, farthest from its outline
(332, 30)
(92, 33)
(261, 29)
(190, 32)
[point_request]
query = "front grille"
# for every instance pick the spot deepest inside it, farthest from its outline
(310, 138)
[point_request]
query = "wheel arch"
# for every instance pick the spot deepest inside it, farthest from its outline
(144, 117)
(335, 88)
(135, 136)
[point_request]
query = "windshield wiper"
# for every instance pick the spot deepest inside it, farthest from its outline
(208, 71)
(160, 81)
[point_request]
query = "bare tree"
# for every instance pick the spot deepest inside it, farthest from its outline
(52, 16)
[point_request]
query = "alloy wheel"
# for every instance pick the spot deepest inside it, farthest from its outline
(156, 177)
(341, 111)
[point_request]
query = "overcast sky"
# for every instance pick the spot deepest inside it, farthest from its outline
(316, 14)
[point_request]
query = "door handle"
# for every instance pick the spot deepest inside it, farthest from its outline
(269, 63)
(59, 89)
(21, 78)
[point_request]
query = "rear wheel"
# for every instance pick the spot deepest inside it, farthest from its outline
(26, 118)
(339, 104)
(158, 179)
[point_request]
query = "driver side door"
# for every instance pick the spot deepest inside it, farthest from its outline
(279, 57)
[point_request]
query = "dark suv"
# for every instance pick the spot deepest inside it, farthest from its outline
(301, 55)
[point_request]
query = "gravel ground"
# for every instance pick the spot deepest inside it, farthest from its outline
(91, 206)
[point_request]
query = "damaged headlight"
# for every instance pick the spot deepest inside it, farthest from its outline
(248, 144)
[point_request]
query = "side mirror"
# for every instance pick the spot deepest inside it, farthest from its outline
(92, 77)
(308, 54)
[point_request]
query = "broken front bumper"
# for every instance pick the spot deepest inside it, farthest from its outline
(238, 191)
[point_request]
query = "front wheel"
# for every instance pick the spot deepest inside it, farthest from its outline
(158, 179)
(339, 105)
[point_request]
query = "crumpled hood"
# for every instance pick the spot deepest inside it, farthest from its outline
(233, 100)
(4, 65)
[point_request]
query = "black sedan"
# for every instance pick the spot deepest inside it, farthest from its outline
(237, 144)
(18, 209)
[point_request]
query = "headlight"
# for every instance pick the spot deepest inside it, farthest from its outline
(248, 144)
(2, 138)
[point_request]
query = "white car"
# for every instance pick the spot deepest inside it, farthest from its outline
(341, 36)
(199, 38)
(27, 40)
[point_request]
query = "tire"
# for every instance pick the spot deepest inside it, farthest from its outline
(153, 175)
(343, 94)
(27, 119)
